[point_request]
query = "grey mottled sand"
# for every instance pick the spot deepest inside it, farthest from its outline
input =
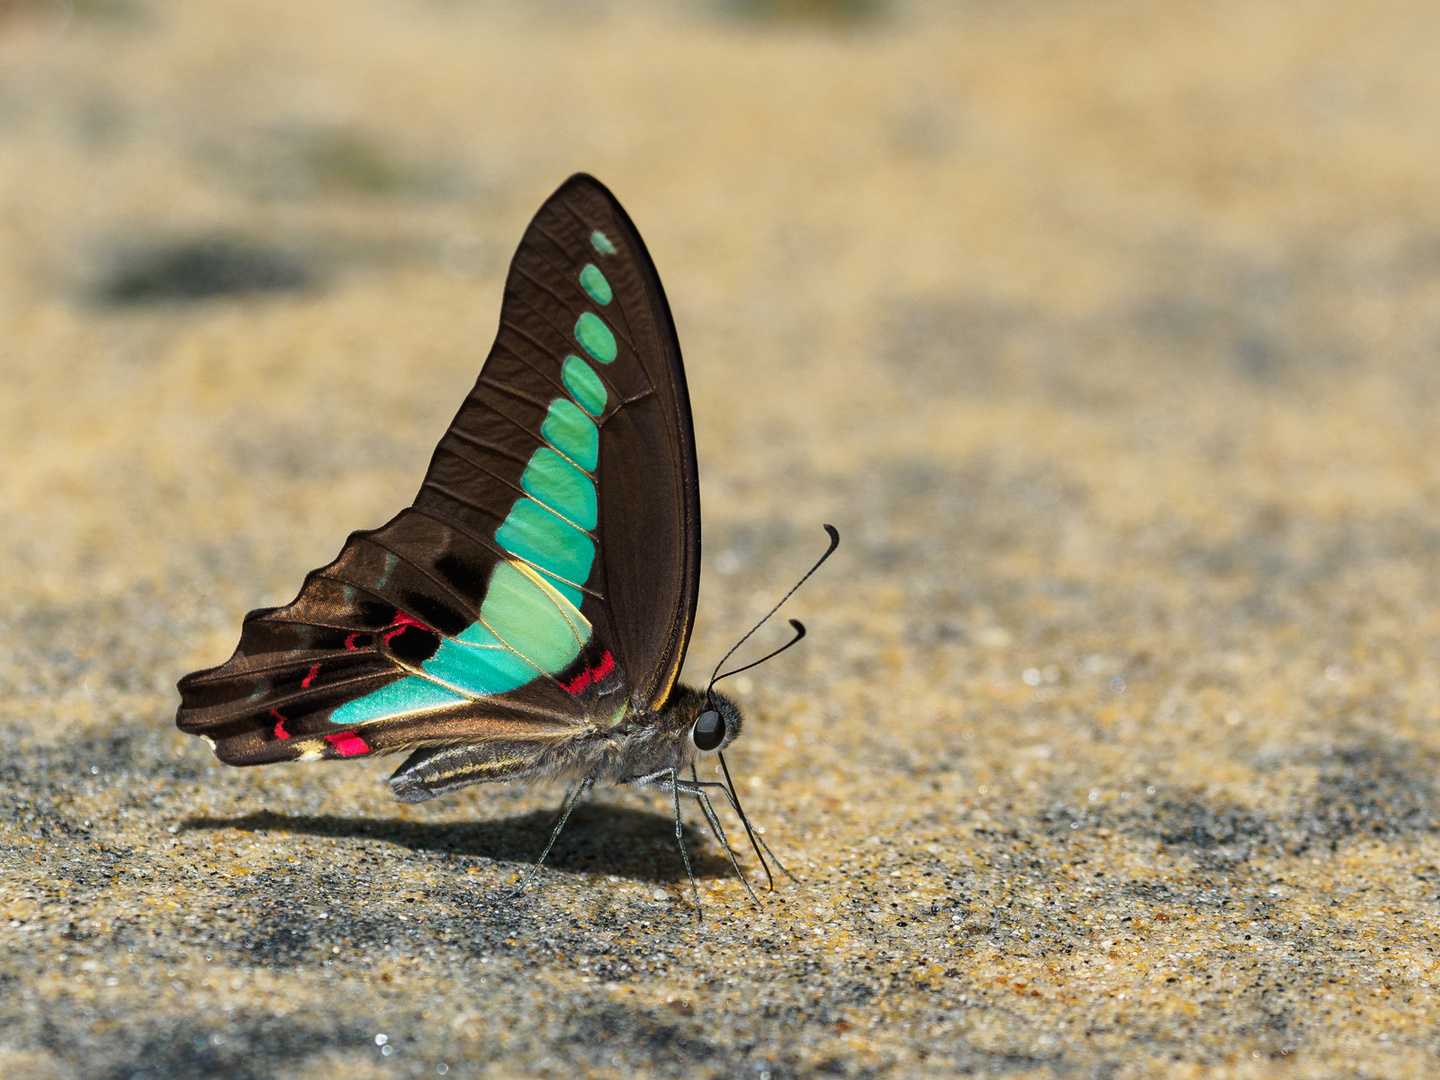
(1104, 331)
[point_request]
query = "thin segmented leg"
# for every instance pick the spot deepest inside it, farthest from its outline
(680, 842)
(569, 805)
(688, 788)
(753, 835)
(684, 787)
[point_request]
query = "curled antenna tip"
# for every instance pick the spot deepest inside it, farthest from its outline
(799, 628)
(715, 675)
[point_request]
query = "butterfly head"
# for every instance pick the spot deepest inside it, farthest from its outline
(702, 723)
(717, 725)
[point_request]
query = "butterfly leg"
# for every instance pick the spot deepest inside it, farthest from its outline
(669, 778)
(680, 840)
(704, 800)
(753, 835)
(569, 805)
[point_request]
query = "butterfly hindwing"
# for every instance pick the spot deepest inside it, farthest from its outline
(374, 654)
(545, 577)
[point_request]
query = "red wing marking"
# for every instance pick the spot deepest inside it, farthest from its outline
(399, 624)
(311, 677)
(589, 675)
(348, 744)
(280, 732)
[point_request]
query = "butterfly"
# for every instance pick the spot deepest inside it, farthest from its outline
(527, 616)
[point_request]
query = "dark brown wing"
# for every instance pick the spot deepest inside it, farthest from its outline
(644, 584)
(545, 576)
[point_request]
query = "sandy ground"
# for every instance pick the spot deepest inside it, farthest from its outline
(1106, 333)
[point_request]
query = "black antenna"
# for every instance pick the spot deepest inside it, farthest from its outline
(799, 633)
(715, 676)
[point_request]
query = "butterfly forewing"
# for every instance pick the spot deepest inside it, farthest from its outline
(544, 578)
(602, 338)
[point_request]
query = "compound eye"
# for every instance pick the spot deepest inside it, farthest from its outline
(709, 730)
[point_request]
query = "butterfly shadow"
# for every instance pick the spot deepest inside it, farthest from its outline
(598, 839)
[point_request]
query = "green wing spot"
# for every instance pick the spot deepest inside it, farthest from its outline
(601, 243)
(533, 619)
(534, 534)
(572, 433)
(584, 385)
(491, 669)
(595, 336)
(595, 284)
(411, 694)
(561, 487)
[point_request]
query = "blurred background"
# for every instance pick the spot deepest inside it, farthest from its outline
(1105, 330)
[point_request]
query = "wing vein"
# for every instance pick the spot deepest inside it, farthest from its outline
(512, 392)
(279, 701)
(551, 377)
(304, 663)
(630, 335)
(580, 294)
(465, 601)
